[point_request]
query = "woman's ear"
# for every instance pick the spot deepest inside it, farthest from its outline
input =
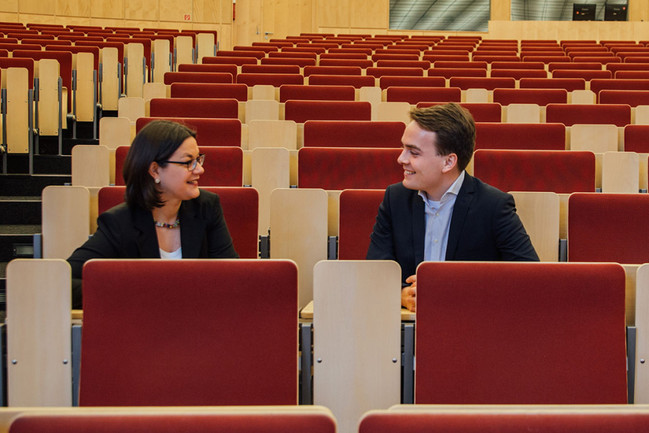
(450, 162)
(154, 171)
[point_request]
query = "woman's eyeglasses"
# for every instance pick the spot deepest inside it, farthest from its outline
(191, 164)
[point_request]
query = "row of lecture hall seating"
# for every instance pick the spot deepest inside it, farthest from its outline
(583, 308)
(82, 100)
(276, 419)
(348, 214)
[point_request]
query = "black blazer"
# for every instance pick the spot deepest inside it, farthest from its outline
(124, 232)
(484, 227)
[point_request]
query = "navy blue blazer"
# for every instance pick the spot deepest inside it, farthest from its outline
(124, 232)
(484, 227)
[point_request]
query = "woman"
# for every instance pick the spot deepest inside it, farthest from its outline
(165, 214)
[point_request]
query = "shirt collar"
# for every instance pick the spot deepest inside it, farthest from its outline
(454, 189)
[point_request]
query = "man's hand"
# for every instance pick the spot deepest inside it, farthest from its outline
(408, 293)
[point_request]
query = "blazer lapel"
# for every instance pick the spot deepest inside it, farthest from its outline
(460, 211)
(418, 226)
(147, 240)
(191, 230)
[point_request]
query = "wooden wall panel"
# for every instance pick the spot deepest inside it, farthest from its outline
(206, 11)
(39, 7)
(8, 6)
(142, 10)
(73, 8)
(638, 10)
(501, 10)
(107, 9)
(174, 10)
(368, 13)
(334, 13)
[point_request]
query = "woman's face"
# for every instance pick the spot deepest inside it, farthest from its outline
(176, 181)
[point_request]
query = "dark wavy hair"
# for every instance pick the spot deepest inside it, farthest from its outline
(157, 141)
(454, 127)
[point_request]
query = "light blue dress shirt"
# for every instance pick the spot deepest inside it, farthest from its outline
(438, 221)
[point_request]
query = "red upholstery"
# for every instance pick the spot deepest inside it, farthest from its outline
(209, 131)
(536, 170)
(495, 58)
(332, 70)
(223, 166)
(299, 61)
(301, 111)
(146, 45)
(65, 66)
(517, 65)
(388, 63)
(530, 136)
(636, 138)
(379, 55)
(568, 84)
(316, 93)
(344, 168)
(228, 60)
(270, 69)
(608, 227)
(118, 45)
(530, 96)
(74, 49)
(515, 420)
(380, 72)
(596, 66)
(570, 114)
(519, 73)
(358, 209)
(166, 422)
(352, 133)
(413, 95)
(252, 79)
(359, 63)
(11, 62)
(629, 97)
(457, 72)
(189, 345)
(120, 157)
(392, 80)
(109, 197)
(259, 54)
(520, 333)
(209, 90)
(194, 107)
(357, 81)
(446, 56)
(197, 77)
(488, 83)
(481, 111)
(586, 74)
(460, 64)
(545, 58)
(634, 75)
(200, 67)
(614, 67)
(618, 84)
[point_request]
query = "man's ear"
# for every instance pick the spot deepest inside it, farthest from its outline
(450, 162)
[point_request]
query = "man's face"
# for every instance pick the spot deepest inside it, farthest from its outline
(422, 165)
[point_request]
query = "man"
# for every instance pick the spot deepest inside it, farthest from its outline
(439, 212)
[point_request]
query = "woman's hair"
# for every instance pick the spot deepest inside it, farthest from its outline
(157, 141)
